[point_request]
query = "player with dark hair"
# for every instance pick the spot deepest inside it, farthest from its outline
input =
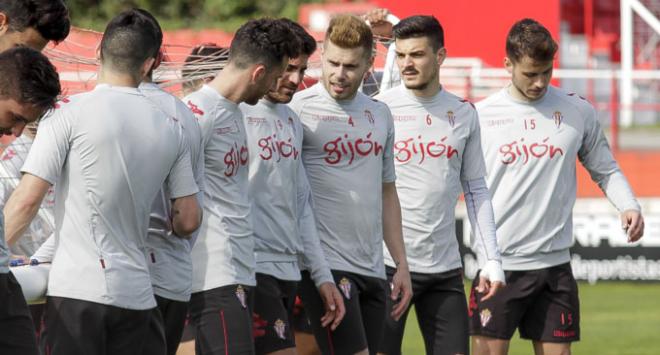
(33, 23)
(532, 133)
(347, 153)
(284, 226)
(201, 65)
(168, 255)
(223, 256)
(29, 86)
(108, 171)
(437, 156)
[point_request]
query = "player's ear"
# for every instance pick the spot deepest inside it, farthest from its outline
(258, 73)
(508, 65)
(442, 54)
(4, 24)
(147, 66)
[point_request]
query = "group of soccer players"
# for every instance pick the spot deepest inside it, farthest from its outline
(225, 205)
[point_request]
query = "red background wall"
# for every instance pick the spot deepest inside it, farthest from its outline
(477, 28)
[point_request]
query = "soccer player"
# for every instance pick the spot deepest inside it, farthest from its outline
(279, 193)
(29, 86)
(108, 171)
(168, 255)
(347, 153)
(223, 256)
(201, 65)
(532, 133)
(33, 23)
(437, 156)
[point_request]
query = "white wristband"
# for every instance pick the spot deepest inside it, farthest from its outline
(493, 272)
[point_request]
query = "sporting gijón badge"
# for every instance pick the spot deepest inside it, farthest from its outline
(240, 294)
(345, 287)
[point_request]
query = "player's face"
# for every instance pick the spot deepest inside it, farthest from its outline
(265, 82)
(343, 70)
(14, 116)
(530, 78)
(29, 38)
(418, 62)
(288, 83)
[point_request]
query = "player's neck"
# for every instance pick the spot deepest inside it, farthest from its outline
(429, 91)
(231, 84)
(517, 95)
(117, 79)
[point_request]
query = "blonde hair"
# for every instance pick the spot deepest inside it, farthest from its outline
(349, 31)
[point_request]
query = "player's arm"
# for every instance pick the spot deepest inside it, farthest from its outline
(393, 237)
(596, 156)
(23, 205)
(482, 220)
(186, 211)
(313, 258)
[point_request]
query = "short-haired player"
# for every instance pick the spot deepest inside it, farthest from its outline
(347, 153)
(532, 134)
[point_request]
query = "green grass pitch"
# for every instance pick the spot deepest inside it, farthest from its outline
(618, 318)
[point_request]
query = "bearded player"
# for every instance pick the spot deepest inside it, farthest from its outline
(347, 152)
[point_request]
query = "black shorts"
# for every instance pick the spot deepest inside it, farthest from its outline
(166, 327)
(273, 307)
(75, 326)
(442, 314)
(300, 322)
(223, 320)
(362, 327)
(543, 304)
(17, 334)
(188, 329)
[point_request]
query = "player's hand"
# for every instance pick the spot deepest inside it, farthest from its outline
(377, 20)
(491, 279)
(401, 291)
(334, 305)
(632, 223)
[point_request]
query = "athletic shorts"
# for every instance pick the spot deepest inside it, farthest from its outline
(75, 326)
(223, 320)
(17, 334)
(166, 327)
(362, 327)
(188, 329)
(442, 314)
(273, 310)
(300, 320)
(543, 304)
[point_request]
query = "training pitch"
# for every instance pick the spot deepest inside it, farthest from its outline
(618, 318)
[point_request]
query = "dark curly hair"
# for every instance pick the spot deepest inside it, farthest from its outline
(29, 78)
(49, 17)
(529, 38)
(421, 26)
(307, 42)
(266, 41)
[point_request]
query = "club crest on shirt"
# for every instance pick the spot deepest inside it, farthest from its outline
(8, 154)
(241, 295)
(280, 328)
(345, 287)
(369, 116)
(485, 316)
(451, 118)
(558, 118)
(280, 125)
